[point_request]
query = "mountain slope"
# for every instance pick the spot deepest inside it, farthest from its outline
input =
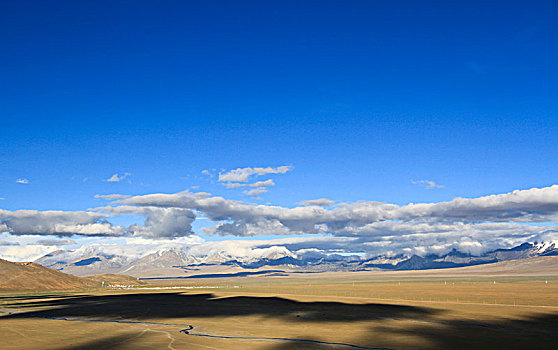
(535, 266)
(32, 276)
(84, 261)
(184, 261)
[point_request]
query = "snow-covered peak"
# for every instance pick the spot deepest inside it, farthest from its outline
(272, 253)
(545, 246)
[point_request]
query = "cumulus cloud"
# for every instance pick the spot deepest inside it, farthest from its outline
(533, 205)
(379, 223)
(467, 224)
(117, 178)
(244, 217)
(427, 183)
(55, 222)
(321, 202)
(159, 222)
(244, 174)
(23, 181)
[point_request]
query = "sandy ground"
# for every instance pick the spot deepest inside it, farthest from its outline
(401, 312)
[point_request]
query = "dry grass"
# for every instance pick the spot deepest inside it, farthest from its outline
(32, 276)
(411, 313)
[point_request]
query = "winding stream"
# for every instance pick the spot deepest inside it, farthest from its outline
(187, 330)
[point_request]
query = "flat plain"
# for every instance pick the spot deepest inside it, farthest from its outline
(370, 310)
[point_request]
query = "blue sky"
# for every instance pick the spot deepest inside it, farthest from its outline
(361, 98)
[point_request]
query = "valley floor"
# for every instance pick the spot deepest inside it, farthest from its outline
(335, 312)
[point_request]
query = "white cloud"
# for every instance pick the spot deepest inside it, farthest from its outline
(243, 174)
(427, 184)
(244, 216)
(23, 181)
(533, 205)
(207, 173)
(265, 183)
(117, 178)
(55, 222)
(321, 202)
(255, 192)
(374, 221)
(468, 224)
(112, 196)
(159, 222)
(24, 253)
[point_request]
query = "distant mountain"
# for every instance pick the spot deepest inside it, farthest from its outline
(526, 250)
(180, 261)
(458, 259)
(535, 266)
(34, 277)
(79, 263)
(89, 260)
(286, 260)
(166, 258)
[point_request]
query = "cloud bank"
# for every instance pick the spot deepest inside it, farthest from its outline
(468, 224)
(55, 222)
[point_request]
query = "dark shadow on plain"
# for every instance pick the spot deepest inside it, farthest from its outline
(175, 305)
(426, 325)
(293, 344)
(538, 331)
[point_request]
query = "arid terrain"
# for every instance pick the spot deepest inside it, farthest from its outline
(478, 307)
(17, 277)
(277, 175)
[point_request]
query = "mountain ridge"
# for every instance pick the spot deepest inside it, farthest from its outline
(178, 261)
(32, 276)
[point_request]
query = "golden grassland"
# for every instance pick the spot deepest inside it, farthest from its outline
(347, 312)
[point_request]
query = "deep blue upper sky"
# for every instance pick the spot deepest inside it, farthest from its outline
(360, 97)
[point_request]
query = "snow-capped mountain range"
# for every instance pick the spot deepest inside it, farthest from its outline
(178, 261)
